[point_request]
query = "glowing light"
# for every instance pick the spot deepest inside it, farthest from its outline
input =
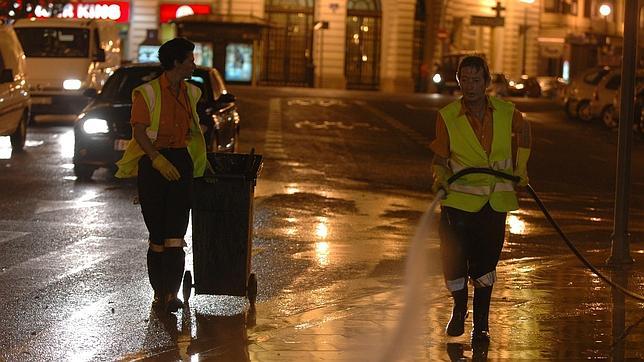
(292, 189)
(322, 230)
(184, 10)
(364, 58)
(605, 9)
(517, 226)
(66, 142)
(322, 252)
(5, 148)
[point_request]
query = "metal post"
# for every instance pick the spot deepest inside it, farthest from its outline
(620, 251)
(525, 38)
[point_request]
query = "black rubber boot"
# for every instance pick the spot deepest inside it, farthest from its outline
(174, 262)
(456, 325)
(481, 329)
(155, 274)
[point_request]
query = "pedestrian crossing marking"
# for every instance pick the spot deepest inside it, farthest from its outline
(38, 272)
(273, 146)
(49, 206)
(10, 235)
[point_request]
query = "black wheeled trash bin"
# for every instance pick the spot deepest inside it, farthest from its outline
(222, 227)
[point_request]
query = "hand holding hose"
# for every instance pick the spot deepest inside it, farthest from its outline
(441, 174)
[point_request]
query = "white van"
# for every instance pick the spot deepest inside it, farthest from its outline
(14, 89)
(65, 57)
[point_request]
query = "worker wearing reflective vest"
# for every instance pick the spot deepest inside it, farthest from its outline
(476, 131)
(166, 151)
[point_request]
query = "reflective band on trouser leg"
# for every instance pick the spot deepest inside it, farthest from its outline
(456, 284)
(487, 280)
(174, 243)
(155, 247)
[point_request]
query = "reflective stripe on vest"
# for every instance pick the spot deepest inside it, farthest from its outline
(471, 192)
(128, 165)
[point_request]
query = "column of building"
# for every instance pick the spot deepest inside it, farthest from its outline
(397, 39)
(144, 16)
(329, 43)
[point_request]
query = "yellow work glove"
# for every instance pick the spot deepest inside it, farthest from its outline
(441, 174)
(523, 154)
(166, 168)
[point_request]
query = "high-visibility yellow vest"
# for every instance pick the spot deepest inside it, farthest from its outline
(471, 192)
(128, 165)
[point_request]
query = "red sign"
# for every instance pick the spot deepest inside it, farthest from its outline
(169, 12)
(113, 10)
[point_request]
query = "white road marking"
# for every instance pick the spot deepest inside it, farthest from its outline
(39, 272)
(274, 147)
(10, 235)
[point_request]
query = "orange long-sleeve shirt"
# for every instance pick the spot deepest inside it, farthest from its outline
(176, 115)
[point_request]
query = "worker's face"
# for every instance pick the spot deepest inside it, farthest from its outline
(187, 66)
(473, 84)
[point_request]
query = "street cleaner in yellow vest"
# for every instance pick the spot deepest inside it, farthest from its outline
(166, 151)
(476, 131)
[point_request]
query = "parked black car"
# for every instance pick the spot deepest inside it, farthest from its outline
(103, 129)
(524, 87)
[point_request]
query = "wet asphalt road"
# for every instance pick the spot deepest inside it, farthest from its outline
(345, 179)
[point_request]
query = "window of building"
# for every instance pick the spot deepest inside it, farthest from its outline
(566, 7)
(363, 5)
(362, 44)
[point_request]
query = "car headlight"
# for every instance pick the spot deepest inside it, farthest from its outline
(437, 78)
(95, 126)
(71, 84)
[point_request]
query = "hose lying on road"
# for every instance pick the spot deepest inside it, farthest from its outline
(552, 222)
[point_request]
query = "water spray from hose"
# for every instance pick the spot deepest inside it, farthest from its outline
(405, 334)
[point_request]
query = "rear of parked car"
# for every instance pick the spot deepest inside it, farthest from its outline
(577, 94)
(602, 101)
(102, 131)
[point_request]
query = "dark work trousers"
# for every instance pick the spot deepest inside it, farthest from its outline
(165, 206)
(471, 244)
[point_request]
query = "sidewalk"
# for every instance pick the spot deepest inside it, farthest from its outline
(543, 308)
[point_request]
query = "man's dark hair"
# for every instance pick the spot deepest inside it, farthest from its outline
(474, 61)
(176, 49)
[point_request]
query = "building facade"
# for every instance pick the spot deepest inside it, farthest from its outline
(388, 45)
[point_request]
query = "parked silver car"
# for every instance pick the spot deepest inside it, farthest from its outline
(602, 102)
(578, 93)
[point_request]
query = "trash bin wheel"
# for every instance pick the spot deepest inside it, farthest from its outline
(187, 285)
(251, 290)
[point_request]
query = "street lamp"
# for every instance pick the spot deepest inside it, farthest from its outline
(524, 31)
(605, 10)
